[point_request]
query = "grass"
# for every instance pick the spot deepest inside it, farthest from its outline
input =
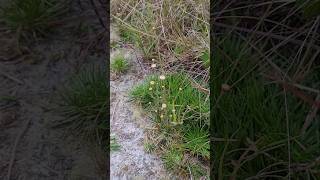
(83, 104)
(181, 100)
(119, 64)
(197, 141)
(173, 159)
(182, 113)
(32, 17)
(256, 116)
(114, 146)
(205, 58)
(173, 36)
(263, 92)
(177, 31)
(149, 147)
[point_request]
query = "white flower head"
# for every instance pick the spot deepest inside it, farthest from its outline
(162, 77)
(163, 106)
(152, 82)
(180, 89)
(153, 65)
(150, 88)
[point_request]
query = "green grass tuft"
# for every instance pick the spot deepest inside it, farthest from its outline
(180, 110)
(173, 159)
(32, 17)
(119, 64)
(196, 140)
(84, 102)
(114, 146)
(149, 147)
(184, 103)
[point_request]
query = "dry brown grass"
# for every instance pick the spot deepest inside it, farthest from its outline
(174, 33)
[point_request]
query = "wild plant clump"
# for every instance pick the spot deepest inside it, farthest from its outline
(83, 105)
(173, 99)
(32, 17)
(181, 112)
(119, 64)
